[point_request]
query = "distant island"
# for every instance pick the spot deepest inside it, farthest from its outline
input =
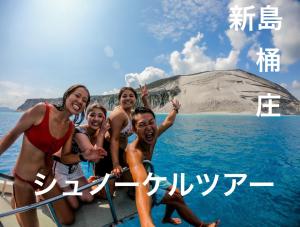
(220, 91)
(6, 109)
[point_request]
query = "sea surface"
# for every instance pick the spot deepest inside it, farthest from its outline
(265, 149)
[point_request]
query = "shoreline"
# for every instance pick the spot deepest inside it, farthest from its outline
(195, 114)
(221, 114)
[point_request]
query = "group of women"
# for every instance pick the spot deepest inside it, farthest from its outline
(53, 145)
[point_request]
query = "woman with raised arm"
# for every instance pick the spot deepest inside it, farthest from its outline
(86, 146)
(47, 128)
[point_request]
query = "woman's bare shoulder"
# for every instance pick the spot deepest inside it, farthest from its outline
(32, 116)
(118, 114)
(38, 109)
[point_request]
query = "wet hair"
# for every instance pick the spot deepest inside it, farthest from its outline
(78, 118)
(125, 89)
(141, 110)
(96, 105)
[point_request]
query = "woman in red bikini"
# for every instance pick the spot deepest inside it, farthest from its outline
(47, 128)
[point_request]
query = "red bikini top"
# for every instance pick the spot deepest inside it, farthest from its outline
(39, 135)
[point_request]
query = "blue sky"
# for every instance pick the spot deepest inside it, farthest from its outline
(48, 45)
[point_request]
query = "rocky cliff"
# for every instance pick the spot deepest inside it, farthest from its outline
(228, 91)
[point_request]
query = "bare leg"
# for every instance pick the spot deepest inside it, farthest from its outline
(62, 209)
(73, 201)
(185, 213)
(86, 195)
(24, 195)
(14, 206)
(168, 213)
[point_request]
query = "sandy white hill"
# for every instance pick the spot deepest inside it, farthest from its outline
(224, 91)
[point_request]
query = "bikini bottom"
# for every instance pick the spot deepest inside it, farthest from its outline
(31, 183)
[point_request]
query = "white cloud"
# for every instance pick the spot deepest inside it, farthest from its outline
(192, 58)
(178, 16)
(221, 38)
(162, 58)
(247, 66)
(113, 91)
(14, 94)
(228, 62)
(238, 39)
(109, 51)
(284, 68)
(287, 38)
(296, 84)
(296, 93)
(284, 85)
(116, 65)
(295, 89)
(245, 3)
(252, 52)
(149, 75)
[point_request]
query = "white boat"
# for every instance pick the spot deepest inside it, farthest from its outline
(99, 213)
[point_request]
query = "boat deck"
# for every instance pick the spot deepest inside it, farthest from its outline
(98, 213)
(94, 214)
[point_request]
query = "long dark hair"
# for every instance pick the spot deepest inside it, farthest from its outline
(125, 89)
(80, 117)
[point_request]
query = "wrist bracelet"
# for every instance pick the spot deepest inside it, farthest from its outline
(176, 110)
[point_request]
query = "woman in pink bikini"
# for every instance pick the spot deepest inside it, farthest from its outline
(47, 128)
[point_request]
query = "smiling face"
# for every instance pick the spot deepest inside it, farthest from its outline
(95, 118)
(145, 127)
(77, 100)
(127, 99)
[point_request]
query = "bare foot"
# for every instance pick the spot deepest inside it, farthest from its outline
(213, 224)
(174, 221)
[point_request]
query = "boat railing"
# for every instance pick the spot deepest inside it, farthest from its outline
(49, 201)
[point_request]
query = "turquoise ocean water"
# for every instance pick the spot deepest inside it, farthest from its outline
(266, 149)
